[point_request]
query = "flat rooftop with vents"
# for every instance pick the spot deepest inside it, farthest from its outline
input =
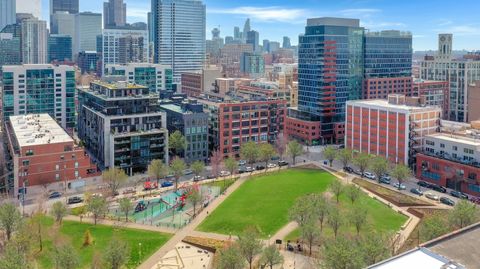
(37, 129)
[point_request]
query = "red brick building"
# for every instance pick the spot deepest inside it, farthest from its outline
(436, 93)
(307, 132)
(44, 153)
(232, 124)
(192, 84)
(380, 88)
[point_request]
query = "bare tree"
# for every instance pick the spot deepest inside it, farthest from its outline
(115, 178)
(337, 188)
(216, 160)
(335, 220)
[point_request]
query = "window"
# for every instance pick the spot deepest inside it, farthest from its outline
(454, 147)
(57, 167)
(468, 151)
(29, 152)
(472, 176)
(442, 145)
(76, 173)
(25, 162)
(57, 177)
(76, 164)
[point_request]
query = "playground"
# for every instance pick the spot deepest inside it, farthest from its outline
(172, 209)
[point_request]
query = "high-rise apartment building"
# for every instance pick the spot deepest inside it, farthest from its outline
(122, 125)
(40, 88)
(179, 35)
(10, 52)
(114, 14)
(286, 42)
(252, 65)
(7, 13)
(34, 41)
(59, 48)
(253, 39)
(33, 7)
(88, 26)
(459, 72)
(156, 77)
(121, 46)
(63, 6)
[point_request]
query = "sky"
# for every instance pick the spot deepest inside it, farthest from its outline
(277, 18)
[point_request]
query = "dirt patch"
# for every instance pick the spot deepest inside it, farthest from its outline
(394, 197)
(309, 166)
(209, 244)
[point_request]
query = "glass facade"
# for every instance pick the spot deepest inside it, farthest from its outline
(330, 70)
(59, 48)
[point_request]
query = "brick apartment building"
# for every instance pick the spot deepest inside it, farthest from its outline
(44, 153)
(436, 93)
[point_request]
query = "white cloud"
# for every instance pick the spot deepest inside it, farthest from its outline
(461, 30)
(273, 13)
(382, 25)
(359, 12)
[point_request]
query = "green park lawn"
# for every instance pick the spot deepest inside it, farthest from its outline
(73, 232)
(264, 201)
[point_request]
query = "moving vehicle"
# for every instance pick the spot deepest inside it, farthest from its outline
(459, 194)
(447, 201)
(369, 175)
(167, 184)
(432, 196)
(54, 195)
(74, 200)
(282, 163)
(416, 191)
(402, 187)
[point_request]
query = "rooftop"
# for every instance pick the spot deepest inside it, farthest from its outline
(420, 257)
(384, 104)
(333, 22)
(118, 85)
(174, 108)
(456, 139)
(37, 129)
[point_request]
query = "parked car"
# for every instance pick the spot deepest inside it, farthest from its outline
(224, 173)
(259, 167)
(271, 165)
(432, 196)
(275, 158)
(385, 179)
(242, 162)
(198, 178)
(447, 201)
(369, 175)
(402, 187)
(475, 200)
(249, 169)
(129, 191)
(424, 184)
(187, 172)
(54, 195)
(348, 169)
(416, 191)
(282, 163)
(438, 188)
(210, 176)
(242, 170)
(459, 194)
(166, 184)
(74, 200)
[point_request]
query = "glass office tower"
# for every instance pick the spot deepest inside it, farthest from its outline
(59, 48)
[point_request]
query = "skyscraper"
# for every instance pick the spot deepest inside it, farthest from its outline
(59, 48)
(88, 26)
(56, 6)
(236, 33)
(114, 14)
(34, 41)
(253, 39)
(179, 35)
(7, 13)
(33, 7)
(286, 42)
(246, 29)
(121, 46)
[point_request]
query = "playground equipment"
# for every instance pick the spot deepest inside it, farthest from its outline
(140, 207)
(148, 185)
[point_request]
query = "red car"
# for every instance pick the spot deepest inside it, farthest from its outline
(475, 200)
(148, 185)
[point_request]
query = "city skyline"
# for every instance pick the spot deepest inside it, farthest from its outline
(425, 19)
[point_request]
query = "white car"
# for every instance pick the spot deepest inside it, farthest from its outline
(432, 196)
(369, 175)
(402, 187)
(271, 165)
(224, 173)
(249, 169)
(242, 162)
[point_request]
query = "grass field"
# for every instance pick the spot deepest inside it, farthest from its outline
(265, 200)
(73, 232)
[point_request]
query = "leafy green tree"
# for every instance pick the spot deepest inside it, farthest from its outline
(177, 143)
(310, 234)
(463, 214)
(344, 156)
(265, 153)
(249, 245)
(115, 178)
(10, 219)
(14, 257)
(335, 220)
(294, 149)
(125, 205)
(434, 226)
(59, 211)
(271, 257)
(401, 173)
(97, 206)
(336, 188)
(249, 151)
(342, 254)
(65, 257)
(116, 254)
(362, 160)
(195, 197)
(232, 165)
(358, 217)
(321, 206)
(197, 167)
(374, 247)
(230, 258)
(177, 166)
(302, 210)
(379, 166)
(330, 153)
(352, 192)
(157, 169)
